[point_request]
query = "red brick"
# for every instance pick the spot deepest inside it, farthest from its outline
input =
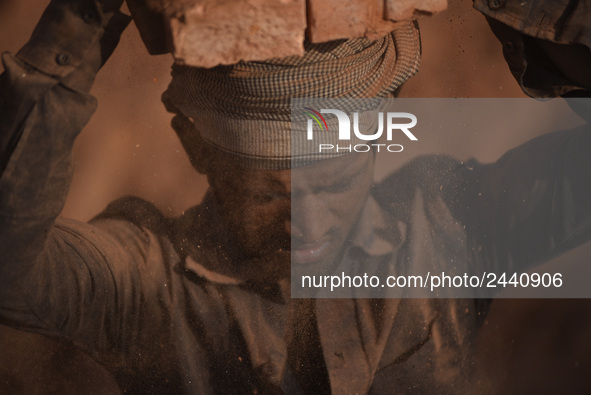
(209, 32)
(337, 19)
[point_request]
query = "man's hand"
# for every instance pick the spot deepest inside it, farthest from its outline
(75, 35)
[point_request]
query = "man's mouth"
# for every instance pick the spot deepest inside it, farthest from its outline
(308, 253)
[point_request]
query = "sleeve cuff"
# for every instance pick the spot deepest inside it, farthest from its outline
(70, 40)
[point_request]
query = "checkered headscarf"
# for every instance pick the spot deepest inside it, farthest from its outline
(244, 108)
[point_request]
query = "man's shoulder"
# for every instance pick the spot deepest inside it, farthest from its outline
(138, 212)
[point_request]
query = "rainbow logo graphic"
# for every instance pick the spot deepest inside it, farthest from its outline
(315, 115)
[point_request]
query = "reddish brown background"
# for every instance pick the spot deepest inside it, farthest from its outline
(129, 148)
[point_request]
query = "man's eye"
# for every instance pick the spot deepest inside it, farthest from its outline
(341, 186)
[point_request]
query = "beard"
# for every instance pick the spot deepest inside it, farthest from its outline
(262, 253)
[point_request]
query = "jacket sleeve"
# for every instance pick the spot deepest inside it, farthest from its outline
(533, 204)
(45, 281)
(44, 103)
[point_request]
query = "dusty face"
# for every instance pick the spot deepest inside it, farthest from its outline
(306, 214)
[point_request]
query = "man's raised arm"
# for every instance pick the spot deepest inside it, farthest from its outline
(44, 103)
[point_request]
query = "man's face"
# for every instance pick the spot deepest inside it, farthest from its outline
(306, 213)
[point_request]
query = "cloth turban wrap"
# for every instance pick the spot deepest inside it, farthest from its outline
(244, 109)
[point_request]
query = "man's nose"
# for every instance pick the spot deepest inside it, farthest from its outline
(310, 219)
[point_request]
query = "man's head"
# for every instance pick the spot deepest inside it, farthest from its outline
(245, 109)
(306, 214)
(235, 124)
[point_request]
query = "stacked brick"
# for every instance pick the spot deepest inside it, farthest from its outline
(211, 32)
